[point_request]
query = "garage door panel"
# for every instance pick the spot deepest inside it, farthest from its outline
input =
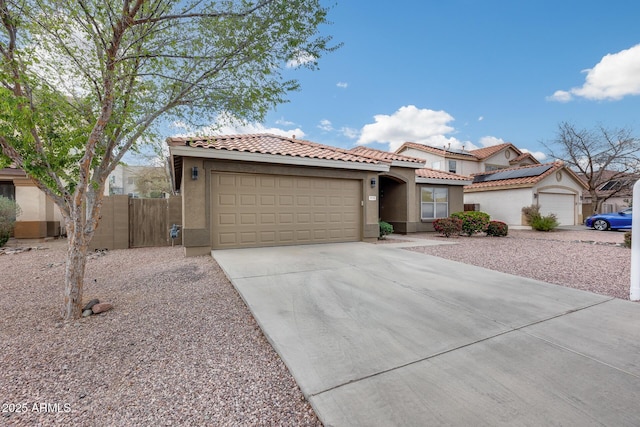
(562, 205)
(268, 210)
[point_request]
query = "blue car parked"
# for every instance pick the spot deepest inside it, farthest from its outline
(610, 221)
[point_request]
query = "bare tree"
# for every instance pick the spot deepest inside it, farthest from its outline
(600, 156)
(83, 81)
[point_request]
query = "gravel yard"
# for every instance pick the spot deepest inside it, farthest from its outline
(579, 258)
(179, 348)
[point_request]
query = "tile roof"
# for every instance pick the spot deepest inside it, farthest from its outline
(523, 156)
(384, 155)
(483, 153)
(526, 181)
(434, 150)
(270, 144)
(436, 174)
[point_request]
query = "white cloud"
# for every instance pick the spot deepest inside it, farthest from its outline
(412, 124)
(489, 141)
(342, 85)
(301, 58)
(325, 125)
(227, 125)
(350, 133)
(616, 75)
(481, 118)
(539, 155)
(283, 122)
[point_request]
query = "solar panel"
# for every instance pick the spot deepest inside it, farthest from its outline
(512, 174)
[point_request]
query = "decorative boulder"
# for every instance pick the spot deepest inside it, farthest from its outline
(90, 304)
(101, 307)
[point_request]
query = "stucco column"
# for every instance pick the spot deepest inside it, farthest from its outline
(196, 235)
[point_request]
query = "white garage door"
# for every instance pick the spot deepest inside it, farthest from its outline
(562, 205)
(272, 210)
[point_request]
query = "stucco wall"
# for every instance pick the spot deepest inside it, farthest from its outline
(503, 205)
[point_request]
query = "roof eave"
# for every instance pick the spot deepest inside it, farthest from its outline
(405, 164)
(245, 156)
(423, 180)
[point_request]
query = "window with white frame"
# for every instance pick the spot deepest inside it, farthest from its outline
(452, 166)
(434, 202)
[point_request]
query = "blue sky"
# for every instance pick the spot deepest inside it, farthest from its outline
(467, 73)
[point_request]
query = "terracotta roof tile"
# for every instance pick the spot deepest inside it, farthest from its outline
(523, 181)
(523, 156)
(436, 174)
(270, 144)
(435, 150)
(483, 153)
(384, 155)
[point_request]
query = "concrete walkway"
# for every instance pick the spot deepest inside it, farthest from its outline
(379, 336)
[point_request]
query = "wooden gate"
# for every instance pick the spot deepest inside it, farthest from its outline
(150, 221)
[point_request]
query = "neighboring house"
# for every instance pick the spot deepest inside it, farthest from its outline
(39, 217)
(268, 190)
(552, 186)
(137, 181)
(618, 190)
(468, 162)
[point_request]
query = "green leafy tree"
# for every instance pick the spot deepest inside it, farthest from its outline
(84, 81)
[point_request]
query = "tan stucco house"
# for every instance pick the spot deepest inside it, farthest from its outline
(39, 217)
(268, 190)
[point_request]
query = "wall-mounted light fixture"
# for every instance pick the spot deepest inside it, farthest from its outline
(535, 195)
(373, 183)
(194, 173)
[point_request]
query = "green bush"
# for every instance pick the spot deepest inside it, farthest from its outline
(9, 210)
(531, 212)
(448, 226)
(544, 223)
(385, 229)
(627, 239)
(497, 228)
(472, 222)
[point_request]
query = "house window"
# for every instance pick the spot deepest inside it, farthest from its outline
(452, 166)
(8, 190)
(434, 202)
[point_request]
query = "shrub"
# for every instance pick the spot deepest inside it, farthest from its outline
(544, 223)
(627, 239)
(385, 228)
(531, 212)
(472, 221)
(9, 210)
(497, 228)
(448, 226)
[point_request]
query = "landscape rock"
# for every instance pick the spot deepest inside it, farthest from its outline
(101, 307)
(90, 304)
(87, 313)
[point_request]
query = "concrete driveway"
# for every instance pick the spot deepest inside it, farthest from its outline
(379, 336)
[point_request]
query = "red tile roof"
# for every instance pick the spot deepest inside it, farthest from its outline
(483, 153)
(434, 150)
(526, 181)
(384, 155)
(436, 174)
(523, 156)
(270, 144)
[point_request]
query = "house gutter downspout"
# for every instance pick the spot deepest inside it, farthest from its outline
(634, 293)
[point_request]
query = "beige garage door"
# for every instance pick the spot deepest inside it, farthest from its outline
(272, 210)
(562, 205)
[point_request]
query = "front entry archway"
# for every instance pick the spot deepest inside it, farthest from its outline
(392, 202)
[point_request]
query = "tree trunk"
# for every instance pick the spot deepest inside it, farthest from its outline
(74, 272)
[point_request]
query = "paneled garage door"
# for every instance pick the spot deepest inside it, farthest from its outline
(272, 210)
(562, 205)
